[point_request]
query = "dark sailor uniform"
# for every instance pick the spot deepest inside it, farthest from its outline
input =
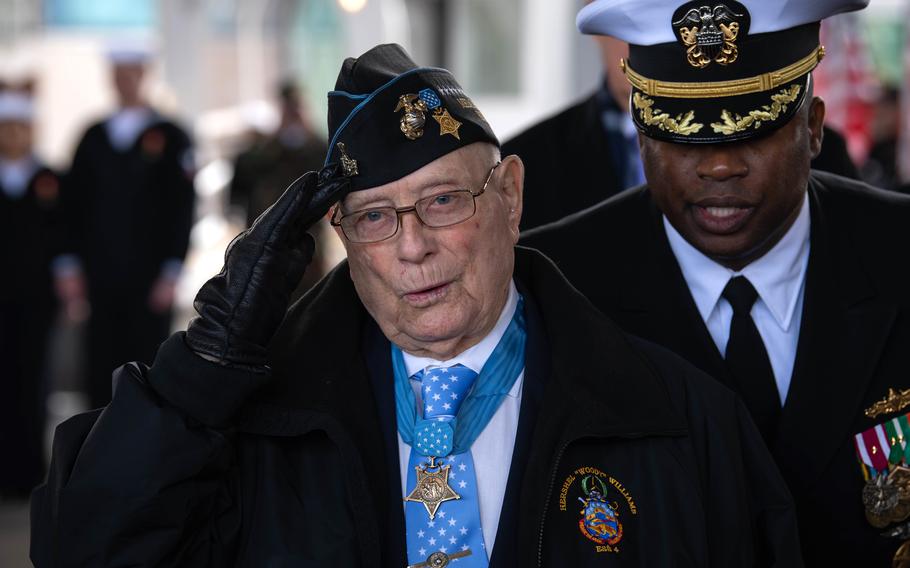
(29, 225)
(129, 212)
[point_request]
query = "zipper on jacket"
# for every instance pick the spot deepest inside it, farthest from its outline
(546, 504)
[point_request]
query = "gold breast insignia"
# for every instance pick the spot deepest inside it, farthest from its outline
(894, 402)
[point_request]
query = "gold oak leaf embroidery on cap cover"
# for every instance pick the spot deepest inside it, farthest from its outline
(736, 123)
(682, 124)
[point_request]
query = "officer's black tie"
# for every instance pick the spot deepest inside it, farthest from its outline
(748, 360)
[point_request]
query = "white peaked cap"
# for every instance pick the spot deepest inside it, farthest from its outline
(129, 50)
(648, 22)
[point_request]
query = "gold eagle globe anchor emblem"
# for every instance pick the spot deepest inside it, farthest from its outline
(712, 37)
(414, 117)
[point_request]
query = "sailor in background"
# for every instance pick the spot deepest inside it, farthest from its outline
(29, 222)
(129, 207)
(265, 169)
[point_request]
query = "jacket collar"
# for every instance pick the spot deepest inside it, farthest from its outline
(316, 374)
(598, 385)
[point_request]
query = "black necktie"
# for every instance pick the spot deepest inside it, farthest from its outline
(748, 360)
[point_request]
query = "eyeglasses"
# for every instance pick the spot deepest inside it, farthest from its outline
(436, 211)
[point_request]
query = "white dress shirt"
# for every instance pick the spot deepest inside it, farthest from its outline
(779, 277)
(492, 450)
(15, 176)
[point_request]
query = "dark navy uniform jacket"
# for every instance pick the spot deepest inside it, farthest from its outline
(853, 343)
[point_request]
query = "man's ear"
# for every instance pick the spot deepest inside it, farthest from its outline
(816, 121)
(511, 187)
(328, 218)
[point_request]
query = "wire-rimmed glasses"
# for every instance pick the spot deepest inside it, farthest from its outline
(380, 223)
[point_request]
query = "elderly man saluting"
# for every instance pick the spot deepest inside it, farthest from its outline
(441, 397)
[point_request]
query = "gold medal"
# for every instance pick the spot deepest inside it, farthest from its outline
(899, 477)
(432, 487)
(880, 497)
(447, 123)
(902, 556)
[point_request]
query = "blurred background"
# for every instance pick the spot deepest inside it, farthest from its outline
(211, 108)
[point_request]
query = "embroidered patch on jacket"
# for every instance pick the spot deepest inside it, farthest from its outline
(600, 512)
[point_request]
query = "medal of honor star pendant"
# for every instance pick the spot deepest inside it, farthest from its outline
(432, 487)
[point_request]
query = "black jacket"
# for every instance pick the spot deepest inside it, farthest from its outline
(30, 228)
(305, 473)
(568, 163)
(852, 345)
(115, 201)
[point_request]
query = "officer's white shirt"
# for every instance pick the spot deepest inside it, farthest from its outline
(492, 450)
(779, 277)
(15, 175)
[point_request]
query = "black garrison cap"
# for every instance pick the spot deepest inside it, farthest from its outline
(388, 117)
(709, 71)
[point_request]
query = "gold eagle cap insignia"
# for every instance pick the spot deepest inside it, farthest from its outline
(710, 33)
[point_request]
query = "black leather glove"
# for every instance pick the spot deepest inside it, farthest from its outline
(241, 308)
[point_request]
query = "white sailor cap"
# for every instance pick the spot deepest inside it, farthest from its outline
(129, 50)
(16, 106)
(708, 71)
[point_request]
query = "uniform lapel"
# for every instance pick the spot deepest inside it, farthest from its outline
(842, 335)
(660, 307)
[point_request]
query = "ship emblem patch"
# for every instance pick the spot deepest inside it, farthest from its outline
(604, 501)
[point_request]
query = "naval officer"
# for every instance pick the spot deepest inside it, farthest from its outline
(784, 283)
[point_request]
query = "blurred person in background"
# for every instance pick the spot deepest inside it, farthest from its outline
(131, 178)
(880, 168)
(265, 169)
(29, 220)
(592, 148)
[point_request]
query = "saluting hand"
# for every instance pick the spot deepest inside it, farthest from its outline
(241, 308)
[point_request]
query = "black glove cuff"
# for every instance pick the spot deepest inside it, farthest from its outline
(206, 391)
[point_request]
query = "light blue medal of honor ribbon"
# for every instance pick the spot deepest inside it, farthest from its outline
(436, 536)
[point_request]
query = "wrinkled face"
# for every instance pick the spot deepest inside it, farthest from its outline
(437, 291)
(734, 201)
